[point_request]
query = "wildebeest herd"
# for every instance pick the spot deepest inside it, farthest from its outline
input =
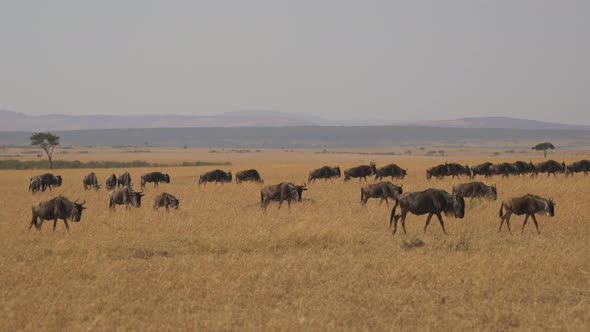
(433, 202)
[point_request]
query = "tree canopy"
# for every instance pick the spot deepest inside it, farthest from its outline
(46, 141)
(544, 147)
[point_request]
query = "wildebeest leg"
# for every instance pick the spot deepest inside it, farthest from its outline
(67, 226)
(536, 224)
(508, 223)
(501, 223)
(427, 221)
(442, 223)
(524, 223)
(33, 222)
(55, 224)
(404, 222)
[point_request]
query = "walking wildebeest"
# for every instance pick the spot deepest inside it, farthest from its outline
(325, 173)
(504, 169)
(527, 204)
(281, 192)
(248, 175)
(90, 181)
(48, 180)
(124, 180)
(431, 201)
(54, 209)
(111, 182)
(481, 169)
(166, 200)
(476, 189)
(549, 167)
(577, 167)
(522, 167)
(392, 170)
(439, 171)
(360, 172)
(36, 184)
(215, 176)
(383, 190)
(125, 196)
(155, 177)
(456, 170)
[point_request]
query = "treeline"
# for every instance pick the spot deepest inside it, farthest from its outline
(61, 164)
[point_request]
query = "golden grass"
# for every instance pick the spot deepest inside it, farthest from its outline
(220, 263)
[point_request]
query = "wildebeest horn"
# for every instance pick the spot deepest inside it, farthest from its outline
(83, 202)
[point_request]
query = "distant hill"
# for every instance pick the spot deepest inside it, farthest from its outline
(497, 123)
(13, 121)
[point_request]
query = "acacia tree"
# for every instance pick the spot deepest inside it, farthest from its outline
(46, 141)
(544, 147)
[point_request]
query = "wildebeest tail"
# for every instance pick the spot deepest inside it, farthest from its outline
(392, 216)
(261, 197)
(501, 210)
(361, 195)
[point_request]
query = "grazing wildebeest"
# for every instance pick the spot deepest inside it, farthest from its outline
(392, 170)
(360, 172)
(248, 175)
(504, 169)
(577, 167)
(111, 182)
(527, 204)
(36, 184)
(481, 169)
(90, 181)
(155, 177)
(124, 180)
(476, 189)
(522, 167)
(456, 170)
(549, 167)
(54, 209)
(383, 190)
(125, 196)
(48, 180)
(431, 201)
(325, 173)
(215, 176)
(439, 171)
(166, 200)
(280, 192)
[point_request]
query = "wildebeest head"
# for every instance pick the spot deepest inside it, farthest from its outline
(373, 167)
(300, 190)
(136, 197)
(457, 208)
(492, 192)
(337, 169)
(550, 207)
(229, 176)
(77, 211)
(58, 178)
(403, 173)
(166, 178)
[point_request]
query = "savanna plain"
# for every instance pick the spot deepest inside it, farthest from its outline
(220, 263)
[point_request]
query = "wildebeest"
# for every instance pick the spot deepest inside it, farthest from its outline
(577, 167)
(431, 201)
(124, 180)
(166, 200)
(248, 175)
(456, 170)
(481, 169)
(522, 167)
(360, 172)
(215, 176)
(48, 180)
(90, 181)
(111, 182)
(383, 190)
(325, 172)
(35, 184)
(549, 167)
(54, 209)
(280, 192)
(438, 172)
(125, 196)
(476, 189)
(155, 177)
(392, 170)
(504, 169)
(527, 204)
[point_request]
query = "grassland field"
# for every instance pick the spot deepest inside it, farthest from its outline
(220, 263)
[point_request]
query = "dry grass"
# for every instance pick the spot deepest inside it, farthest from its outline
(220, 263)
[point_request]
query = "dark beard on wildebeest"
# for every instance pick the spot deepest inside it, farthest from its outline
(431, 202)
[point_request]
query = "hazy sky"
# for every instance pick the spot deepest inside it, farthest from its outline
(403, 60)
